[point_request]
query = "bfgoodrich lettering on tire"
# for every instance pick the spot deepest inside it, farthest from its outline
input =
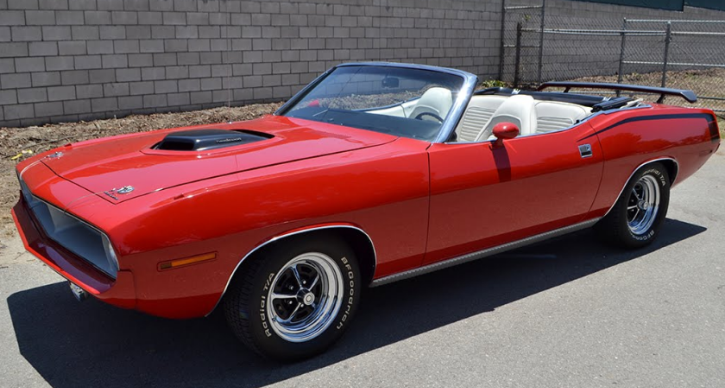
(295, 299)
(636, 218)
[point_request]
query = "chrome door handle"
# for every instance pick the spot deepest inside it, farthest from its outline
(585, 150)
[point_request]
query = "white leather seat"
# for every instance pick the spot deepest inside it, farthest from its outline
(435, 100)
(478, 113)
(519, 110)
(554, 116)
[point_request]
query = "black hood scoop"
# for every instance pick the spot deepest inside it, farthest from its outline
(208, 139)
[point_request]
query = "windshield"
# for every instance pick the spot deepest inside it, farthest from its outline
(399, 101)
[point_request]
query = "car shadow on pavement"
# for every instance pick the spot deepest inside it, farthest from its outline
(92, 344)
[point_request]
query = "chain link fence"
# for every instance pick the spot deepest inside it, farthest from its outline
(687, 54)
(683, 54)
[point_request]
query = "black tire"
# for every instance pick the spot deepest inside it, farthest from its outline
(631, 223)
(259, 324)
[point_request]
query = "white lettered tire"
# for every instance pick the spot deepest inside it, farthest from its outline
(638, 214)
(295, 299)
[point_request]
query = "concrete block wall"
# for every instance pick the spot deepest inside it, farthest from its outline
(67, 60)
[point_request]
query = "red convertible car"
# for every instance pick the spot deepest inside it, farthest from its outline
(373, 173)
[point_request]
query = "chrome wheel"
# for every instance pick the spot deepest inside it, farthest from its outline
(305, 297)
(643, 205)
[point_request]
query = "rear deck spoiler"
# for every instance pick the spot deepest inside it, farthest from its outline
(688, 95)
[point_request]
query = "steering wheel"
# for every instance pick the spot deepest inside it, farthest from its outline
(433, 115)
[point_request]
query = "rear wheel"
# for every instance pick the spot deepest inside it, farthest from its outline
(295, 300)
(636, 218)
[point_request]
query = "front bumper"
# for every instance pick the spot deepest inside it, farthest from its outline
(119, 292)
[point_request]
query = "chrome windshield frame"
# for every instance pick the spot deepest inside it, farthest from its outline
(459, 105)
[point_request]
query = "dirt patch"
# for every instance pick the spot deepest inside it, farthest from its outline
(17, 144)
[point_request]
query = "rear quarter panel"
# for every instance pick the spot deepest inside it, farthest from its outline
(632, 137)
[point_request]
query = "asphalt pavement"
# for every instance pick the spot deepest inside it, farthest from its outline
(570, 312)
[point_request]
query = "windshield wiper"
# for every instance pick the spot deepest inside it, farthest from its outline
(321, 112)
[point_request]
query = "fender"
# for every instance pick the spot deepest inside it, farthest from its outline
(295, 232)
(672, 181)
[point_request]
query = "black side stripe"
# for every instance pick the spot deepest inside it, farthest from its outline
(653, 117)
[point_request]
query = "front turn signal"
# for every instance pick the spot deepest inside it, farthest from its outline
(164, 265)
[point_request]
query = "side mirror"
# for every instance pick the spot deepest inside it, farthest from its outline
(504, 131)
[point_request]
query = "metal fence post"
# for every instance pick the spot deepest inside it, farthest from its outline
(518, 55)
(668, 38)
(541, 40)
(501, 50)
(621, 54)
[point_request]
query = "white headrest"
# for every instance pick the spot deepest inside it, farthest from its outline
(519, 110)
(435, 100)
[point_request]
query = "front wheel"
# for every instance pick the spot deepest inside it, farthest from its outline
(295, 300)
(638, 214)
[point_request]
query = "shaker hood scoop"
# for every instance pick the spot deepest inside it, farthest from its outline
(162, 159)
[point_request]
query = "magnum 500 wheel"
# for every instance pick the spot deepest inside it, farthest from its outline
(635, 219)
(295, 300)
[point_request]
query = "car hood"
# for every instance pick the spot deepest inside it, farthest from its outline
(106, 166)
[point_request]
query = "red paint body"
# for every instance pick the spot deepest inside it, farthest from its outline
(419, 202)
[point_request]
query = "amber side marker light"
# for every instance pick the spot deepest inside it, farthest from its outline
(186, 261)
